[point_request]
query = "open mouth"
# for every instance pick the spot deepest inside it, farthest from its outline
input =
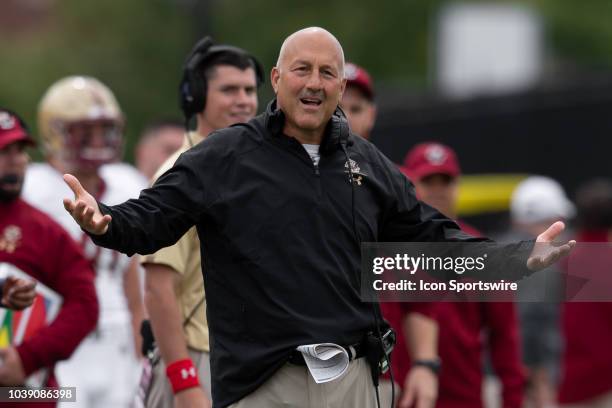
(240, 116)
(311, 101)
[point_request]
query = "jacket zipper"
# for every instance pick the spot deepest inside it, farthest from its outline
(303, 155)
(300, 152)
(317, 173)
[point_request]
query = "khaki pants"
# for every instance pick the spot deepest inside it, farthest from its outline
(384, 392)
(160, 393)
(293, 386)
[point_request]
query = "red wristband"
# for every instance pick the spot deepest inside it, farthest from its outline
(182, 375)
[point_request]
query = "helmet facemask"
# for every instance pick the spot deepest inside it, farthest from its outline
(81, 124)
(89, 144)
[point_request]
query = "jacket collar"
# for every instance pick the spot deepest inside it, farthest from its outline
(336, 131)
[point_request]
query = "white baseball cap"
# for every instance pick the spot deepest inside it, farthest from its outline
(538, 199)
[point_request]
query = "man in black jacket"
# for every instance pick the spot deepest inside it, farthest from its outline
(281, 205)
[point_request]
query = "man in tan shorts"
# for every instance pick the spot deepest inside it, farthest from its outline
(219, 87)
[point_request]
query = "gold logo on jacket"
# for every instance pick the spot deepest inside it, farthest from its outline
(358, 176)
(10, 239)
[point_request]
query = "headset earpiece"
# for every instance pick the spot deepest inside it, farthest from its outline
(342, 125)
(192, 89)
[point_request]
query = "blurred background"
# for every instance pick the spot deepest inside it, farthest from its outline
(515, 88)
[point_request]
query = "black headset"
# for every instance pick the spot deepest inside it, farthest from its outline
(193, 86)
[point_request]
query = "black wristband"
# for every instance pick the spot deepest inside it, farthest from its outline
(434, 364)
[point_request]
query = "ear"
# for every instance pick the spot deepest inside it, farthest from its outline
(342, 87)
(274, 77)
(373, 111)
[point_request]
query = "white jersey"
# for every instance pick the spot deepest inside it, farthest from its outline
(45, 189)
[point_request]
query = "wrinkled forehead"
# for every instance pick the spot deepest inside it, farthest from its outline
(312, 49)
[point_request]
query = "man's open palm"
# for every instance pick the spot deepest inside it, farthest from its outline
(546, 251)
(84, 208)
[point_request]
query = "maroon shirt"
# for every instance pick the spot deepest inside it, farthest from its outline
(41, 248)
(395, 313)
(586, 371)
(463, 329)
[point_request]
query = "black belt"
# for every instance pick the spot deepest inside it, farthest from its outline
(354, 351)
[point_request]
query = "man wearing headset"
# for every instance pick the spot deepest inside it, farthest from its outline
(219, 87)
(282, 204)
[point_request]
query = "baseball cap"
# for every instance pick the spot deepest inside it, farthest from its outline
(13, 129)
(359, 77)
(430, 158)
(538, 199)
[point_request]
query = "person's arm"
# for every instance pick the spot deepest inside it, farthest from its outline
(409, 220)
(133, 295)
(164, 312)
(421, 384)
(162, 213)
(167, 324)
(70, 275)
(166, 270)
(503, 338)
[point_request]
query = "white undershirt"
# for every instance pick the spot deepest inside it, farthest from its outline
(313, 152)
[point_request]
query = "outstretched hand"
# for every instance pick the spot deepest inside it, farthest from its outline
(545, 253)
(84, 208)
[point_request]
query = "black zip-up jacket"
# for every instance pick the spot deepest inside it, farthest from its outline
(280, 255)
